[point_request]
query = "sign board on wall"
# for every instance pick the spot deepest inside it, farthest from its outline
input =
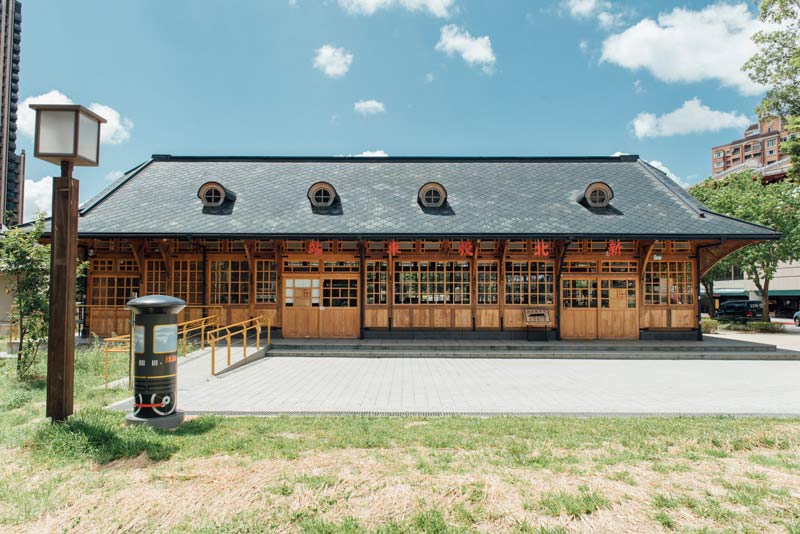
(537, 316)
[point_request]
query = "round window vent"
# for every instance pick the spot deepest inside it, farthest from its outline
(432, 195)
(598, 195)
(321, 195)
(212, 194)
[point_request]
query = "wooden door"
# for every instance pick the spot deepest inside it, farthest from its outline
(321, 306)
(339, 313)
(301, 301)
(618, 315)
(578, 307)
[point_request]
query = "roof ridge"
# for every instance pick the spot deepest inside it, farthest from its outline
(681, 193)
(119, 182)
(403, 159)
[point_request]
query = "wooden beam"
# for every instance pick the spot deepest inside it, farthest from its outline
(136, 250)
(645, 253)
(710, 256)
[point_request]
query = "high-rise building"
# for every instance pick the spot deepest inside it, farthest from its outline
(761, 145)
(12, 165)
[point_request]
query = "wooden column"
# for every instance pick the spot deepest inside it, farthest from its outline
(501, 282)
(63, 259)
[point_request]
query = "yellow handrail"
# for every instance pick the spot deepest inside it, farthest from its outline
(227, 332)
(123, 343)
(116, 344)
(187, 327)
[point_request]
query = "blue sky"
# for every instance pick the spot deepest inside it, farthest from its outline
(406, 77)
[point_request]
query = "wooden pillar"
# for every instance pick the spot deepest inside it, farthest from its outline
(362, 270)
(501, 281)
(276, 249)
(63, 259)
(473, 287)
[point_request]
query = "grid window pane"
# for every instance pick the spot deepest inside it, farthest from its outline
(230, 282)
(377, 272)
(266, 282)
(188, 280)
(529, 282)
(669, 282)
(432, 282)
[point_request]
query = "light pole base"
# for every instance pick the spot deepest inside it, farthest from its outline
(168, 422)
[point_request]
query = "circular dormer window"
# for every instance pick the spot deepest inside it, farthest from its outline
(432, 195)
(212, 194)
(598, 195)
(321, 195)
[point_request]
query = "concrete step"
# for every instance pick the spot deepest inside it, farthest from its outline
(540, 354)
(524, 347)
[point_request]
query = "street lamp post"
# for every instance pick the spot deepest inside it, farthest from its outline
(69, 136)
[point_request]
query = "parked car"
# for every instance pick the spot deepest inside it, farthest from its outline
(740, 311)
(797, 318)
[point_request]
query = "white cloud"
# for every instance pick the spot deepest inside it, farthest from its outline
(114, 132)
(292, 3)
(585, 8)
(429, 77)
(369, 107)
(637, 87)
(113, 175)
(437, 8)
(38, 197)
(333, 61)
(690, 46)
(601, 10)
(618, 154)
(583, 45)
(474, 50)
(663, 168)
(608, 20)
(692, 117)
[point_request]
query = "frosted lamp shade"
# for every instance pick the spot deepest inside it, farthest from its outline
(67, 133)
(57, 132)
(88, 137)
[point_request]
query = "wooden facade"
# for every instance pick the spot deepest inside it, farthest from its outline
(568, 289)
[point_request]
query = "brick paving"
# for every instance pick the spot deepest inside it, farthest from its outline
(491, 386)
(500, 386)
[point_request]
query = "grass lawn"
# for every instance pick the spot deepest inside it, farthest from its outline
(386, 474)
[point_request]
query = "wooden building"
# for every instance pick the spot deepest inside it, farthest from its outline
(551, 248)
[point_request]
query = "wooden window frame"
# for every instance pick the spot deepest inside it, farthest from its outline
(230, 281)
(675, 276)
(523, 286)
(266, 281)
(448, 282)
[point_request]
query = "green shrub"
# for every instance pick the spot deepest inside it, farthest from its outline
(765, 327)
(709, 326)
(754, 327)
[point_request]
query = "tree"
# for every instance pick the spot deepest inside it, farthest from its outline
(718, 271)
(25, 262)
(777, 63)
(775, 205)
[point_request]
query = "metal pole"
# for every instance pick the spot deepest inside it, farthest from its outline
(61, 331)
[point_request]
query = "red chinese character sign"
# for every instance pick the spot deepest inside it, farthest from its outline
(541, 248)
(315, 248)
(614, 248)
(465, 248)
(393, 248)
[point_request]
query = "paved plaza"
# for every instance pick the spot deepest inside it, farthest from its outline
(493, 386)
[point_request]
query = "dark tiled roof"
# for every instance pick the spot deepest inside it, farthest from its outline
(486, 197)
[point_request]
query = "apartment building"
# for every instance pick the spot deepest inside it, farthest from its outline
(760, 146)
(12, 165)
